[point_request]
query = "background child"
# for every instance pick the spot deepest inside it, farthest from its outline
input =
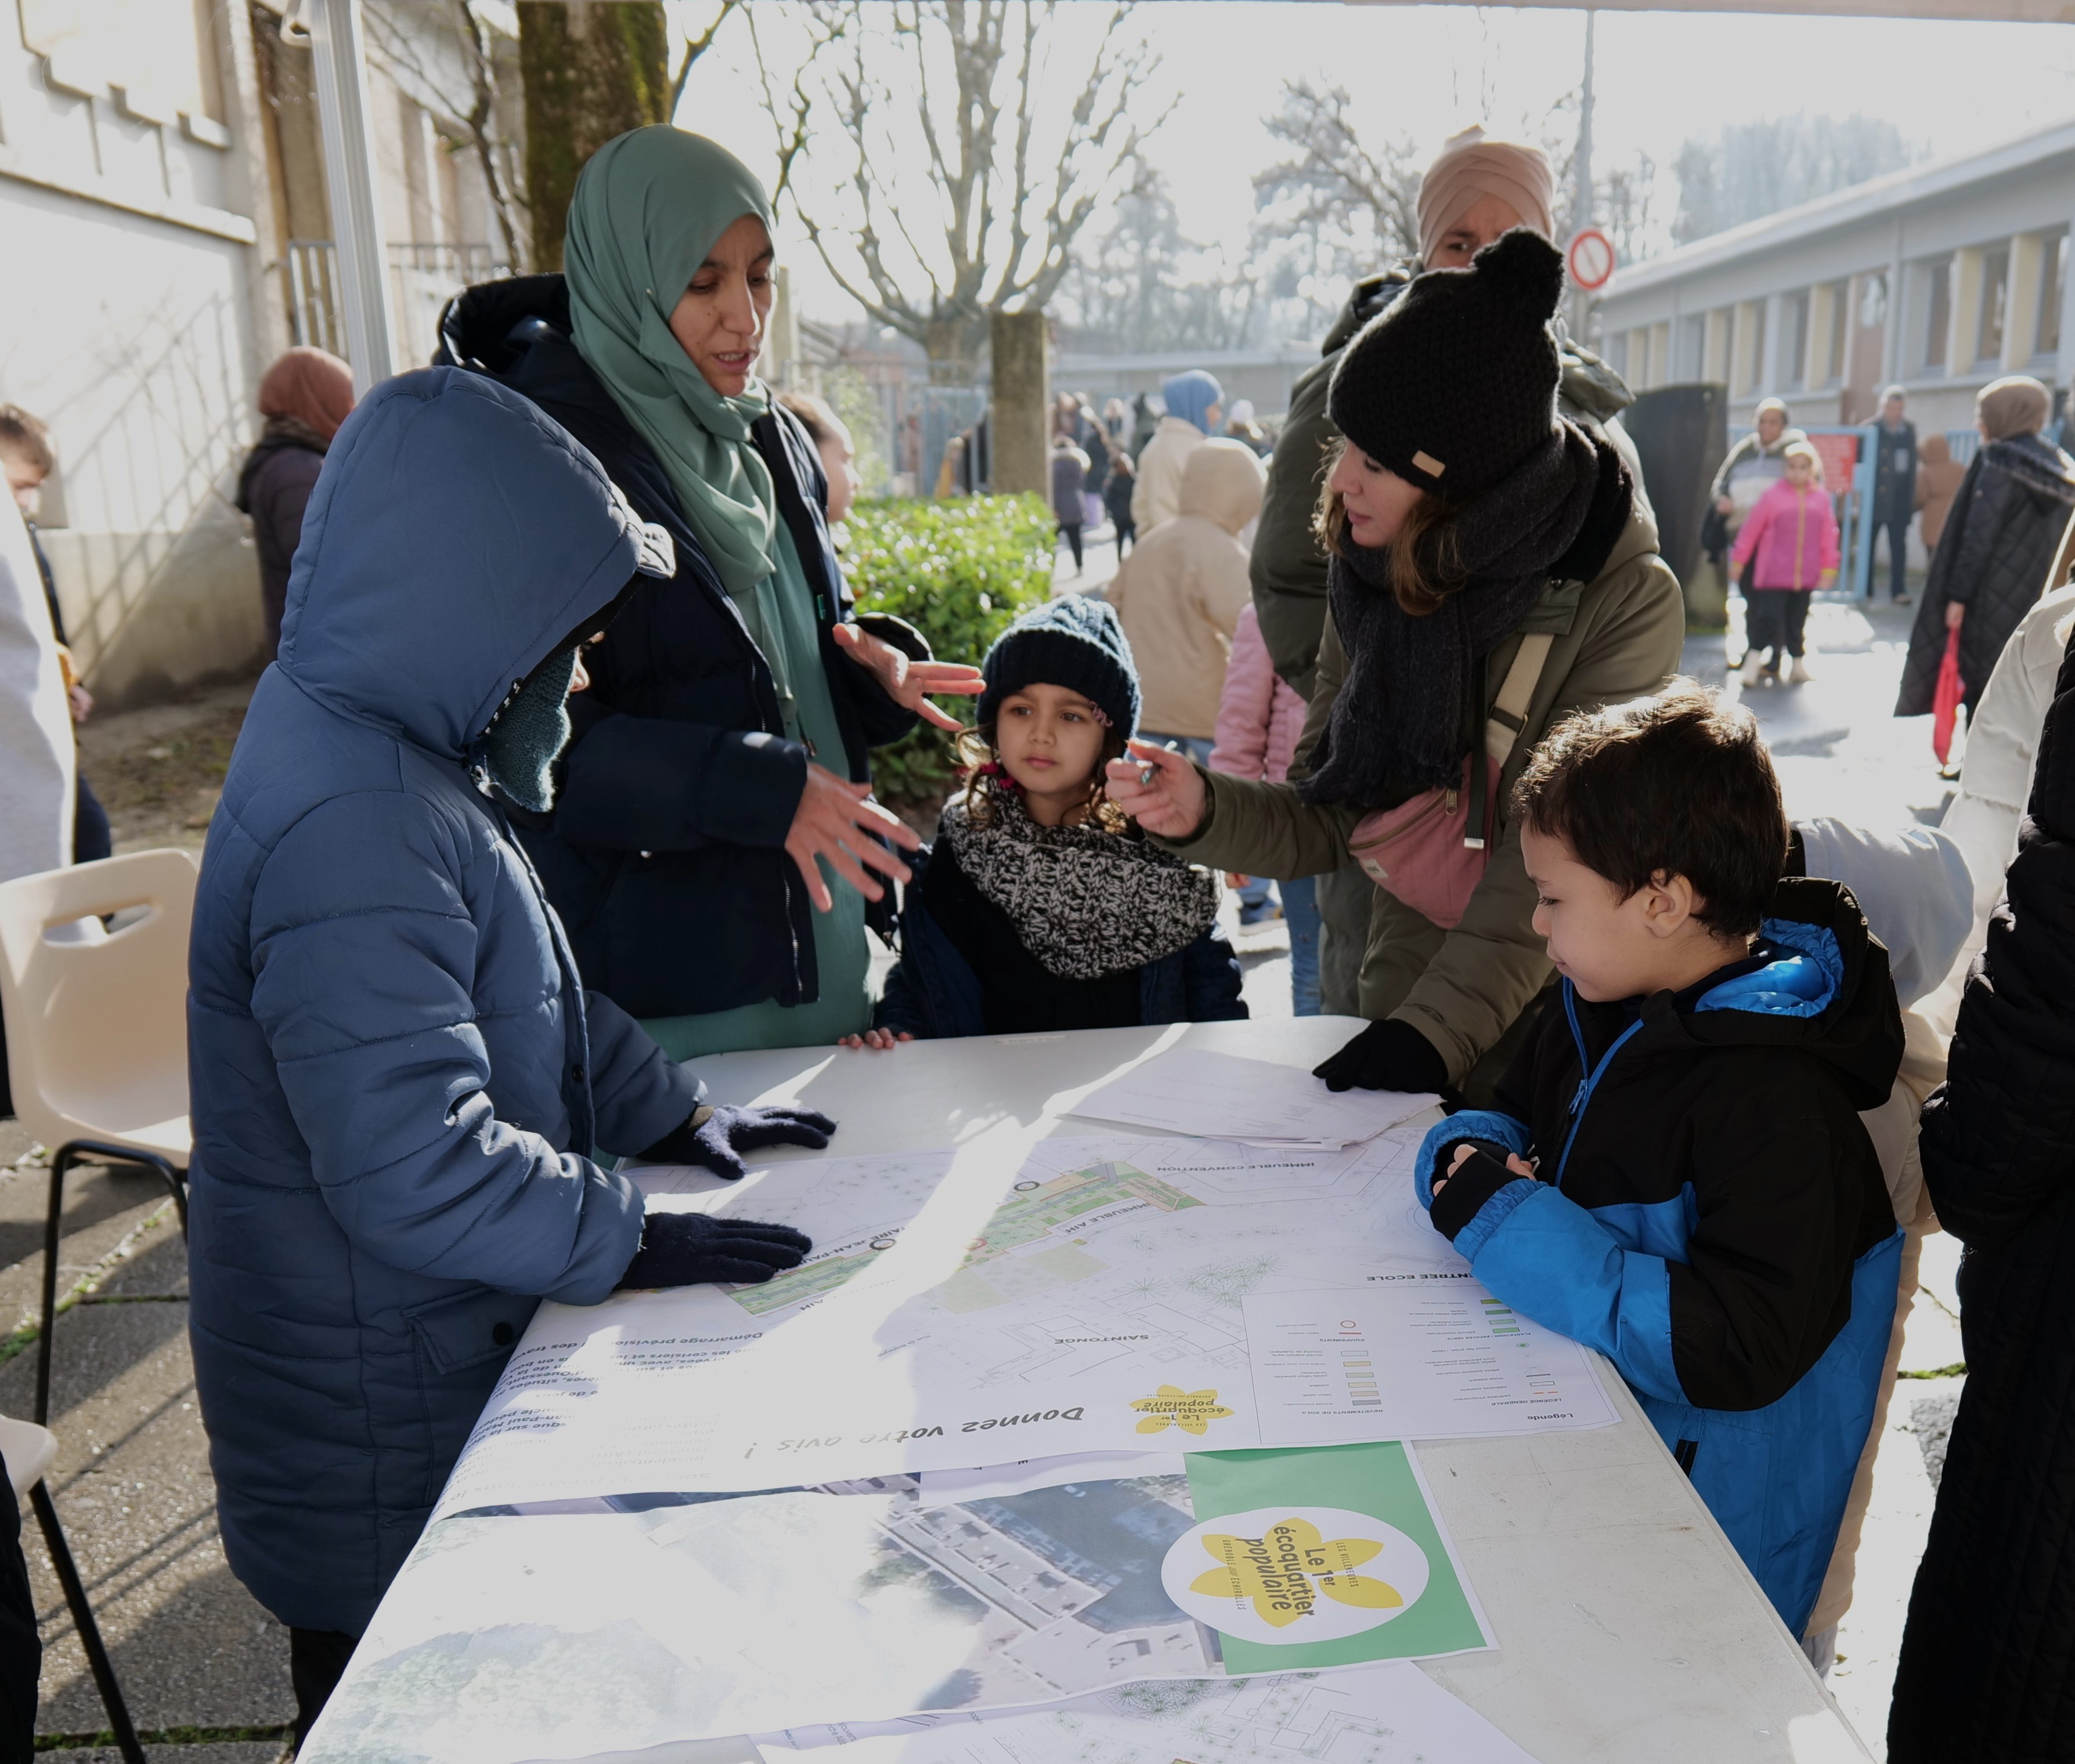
(1790, 540)
(1116, 497)
(1041, 907)
(27, 458)
(1260, 720)
(1676, 1173)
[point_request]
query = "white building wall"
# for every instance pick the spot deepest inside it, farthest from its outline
(2013, 204)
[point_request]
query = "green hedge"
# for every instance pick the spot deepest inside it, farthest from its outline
(959, 570)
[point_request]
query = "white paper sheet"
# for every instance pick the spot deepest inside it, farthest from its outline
(1423, 1356)
(1220, 1096)
(1391, 1714)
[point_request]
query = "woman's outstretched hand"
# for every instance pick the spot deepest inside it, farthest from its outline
(834, 820)
(909, 683)
(1158, 788)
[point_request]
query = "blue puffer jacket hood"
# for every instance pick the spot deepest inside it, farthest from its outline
(396, 1080)
(413, 455)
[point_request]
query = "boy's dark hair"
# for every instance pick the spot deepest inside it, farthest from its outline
(27, 437)
(1677, 784)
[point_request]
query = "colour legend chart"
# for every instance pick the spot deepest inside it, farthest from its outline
(1416, 1357)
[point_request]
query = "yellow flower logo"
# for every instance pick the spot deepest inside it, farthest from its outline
(1285, 1570)
(1172, 1406)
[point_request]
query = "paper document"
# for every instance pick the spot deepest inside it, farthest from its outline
(1366, 1715)
(1016, 1298)
(1427, 1357)
(509, 1638)
(1220, 1096)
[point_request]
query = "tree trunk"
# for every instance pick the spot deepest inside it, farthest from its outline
(592, 69)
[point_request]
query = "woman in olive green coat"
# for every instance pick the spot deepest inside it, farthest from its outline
(1469, 523)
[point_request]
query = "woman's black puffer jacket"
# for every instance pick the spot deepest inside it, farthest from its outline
(1987, 1672)
(2006, 523)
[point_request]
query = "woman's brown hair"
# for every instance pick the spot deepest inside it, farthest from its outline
(976, 752)
(1422, 564)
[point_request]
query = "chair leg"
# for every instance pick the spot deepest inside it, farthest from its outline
(89, 1631)
(62, 1161)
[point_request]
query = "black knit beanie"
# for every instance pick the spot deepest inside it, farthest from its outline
(1453, 384)
(1075, 643)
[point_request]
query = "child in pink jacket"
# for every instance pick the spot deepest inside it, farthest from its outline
(1260, 720)
(1792, 534)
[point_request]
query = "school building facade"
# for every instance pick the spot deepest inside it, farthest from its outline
(1939, 279)
(164, 234)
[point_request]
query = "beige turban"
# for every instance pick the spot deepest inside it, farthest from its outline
(1469, 166)
(2016, 404)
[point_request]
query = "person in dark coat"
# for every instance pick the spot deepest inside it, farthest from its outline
(1987, 1670)
(713, 839)
(1894, 486)
(304, 397)
(1070, 472)
(398, 1083)
(1997, 548)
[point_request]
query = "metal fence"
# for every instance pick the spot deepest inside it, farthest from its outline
(422, 279)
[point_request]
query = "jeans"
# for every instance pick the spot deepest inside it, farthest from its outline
(1300, 913)
(1898, 556)
(1195, 747)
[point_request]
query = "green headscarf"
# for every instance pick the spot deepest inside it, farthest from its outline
(648, 207)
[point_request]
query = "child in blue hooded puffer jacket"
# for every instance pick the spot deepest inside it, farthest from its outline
(400, 1088)
(1675, 1173)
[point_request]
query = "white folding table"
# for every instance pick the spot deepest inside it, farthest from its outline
(1628, 1629)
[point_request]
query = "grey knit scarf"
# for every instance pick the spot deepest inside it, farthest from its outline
(1405, 714)
(1084, 902)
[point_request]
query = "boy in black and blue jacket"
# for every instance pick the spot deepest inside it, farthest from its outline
(1676, 1174)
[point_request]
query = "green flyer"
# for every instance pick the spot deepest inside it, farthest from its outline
(1320, 1557)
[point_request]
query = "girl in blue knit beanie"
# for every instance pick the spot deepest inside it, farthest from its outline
(1041, 907)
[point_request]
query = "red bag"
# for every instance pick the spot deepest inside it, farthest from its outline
(1946, 700)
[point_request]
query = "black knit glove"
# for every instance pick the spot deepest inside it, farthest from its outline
(715, 1138)
(1462, 1195)
(687, 1249)
(1387, 1056)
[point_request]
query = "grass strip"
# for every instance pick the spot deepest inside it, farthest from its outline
(1957, 1370)
(162, 1736)
(26, 1335)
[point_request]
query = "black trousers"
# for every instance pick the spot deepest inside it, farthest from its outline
(21, 1650)
(1127, 530)
(317, 1661)
(1898, 554)
(1072, 530)
(1775, 618)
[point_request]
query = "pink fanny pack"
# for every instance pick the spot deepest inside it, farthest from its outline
(1430, 851)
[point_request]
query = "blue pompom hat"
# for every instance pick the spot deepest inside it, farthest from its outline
(1075, 643)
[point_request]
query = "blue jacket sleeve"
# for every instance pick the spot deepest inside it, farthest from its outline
(1551, 1260)
(367, 1008)
(1500, 1128)
(640, 783)
(639, 1092)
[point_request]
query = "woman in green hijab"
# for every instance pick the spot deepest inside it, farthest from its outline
(712, 848)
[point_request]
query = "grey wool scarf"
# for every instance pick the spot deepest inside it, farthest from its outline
(1407, 711)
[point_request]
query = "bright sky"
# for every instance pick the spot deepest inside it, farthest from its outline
(1425, 71)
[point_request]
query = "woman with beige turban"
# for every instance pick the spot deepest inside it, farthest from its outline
(1999, 546)
(1476, 189)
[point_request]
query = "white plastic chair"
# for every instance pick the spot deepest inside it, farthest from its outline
(98, 1059)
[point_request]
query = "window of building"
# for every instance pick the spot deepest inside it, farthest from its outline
(1755, 368)
(1691, 349)
(1938, 303)
(2052, 285)
(1833, 345)
(1617, 352)
(1794, 333)
(1995, 304)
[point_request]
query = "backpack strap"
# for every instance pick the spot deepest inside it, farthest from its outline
(1516, 692)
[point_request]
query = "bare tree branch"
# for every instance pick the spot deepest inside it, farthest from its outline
(961, 90)
(694, 47)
